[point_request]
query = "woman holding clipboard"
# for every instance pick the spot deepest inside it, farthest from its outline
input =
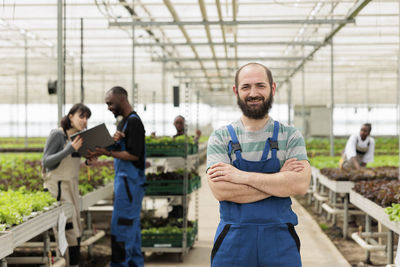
(61, 164)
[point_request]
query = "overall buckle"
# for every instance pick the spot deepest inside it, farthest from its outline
(273, 144)
(236, 147)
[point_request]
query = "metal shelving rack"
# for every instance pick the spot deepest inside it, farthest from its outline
(183, 250)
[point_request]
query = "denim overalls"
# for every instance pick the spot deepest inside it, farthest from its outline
(259, 233)
(125, 223)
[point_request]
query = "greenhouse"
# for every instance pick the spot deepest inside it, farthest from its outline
(200, 133)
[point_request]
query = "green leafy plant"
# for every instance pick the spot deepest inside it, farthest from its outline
(14, 205)
(394, 212)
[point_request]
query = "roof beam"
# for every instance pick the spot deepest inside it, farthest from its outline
(218, 4)
(230, 78)
(300, 43)
(350, 16)
(176, 18)
(208, 32)
(157, 3)
(229, 59)
(230, 23)
(229, 69)
(234, 30)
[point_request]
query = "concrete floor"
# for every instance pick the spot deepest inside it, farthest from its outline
(316, 248)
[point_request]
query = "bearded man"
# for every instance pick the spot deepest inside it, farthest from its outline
(254, 166)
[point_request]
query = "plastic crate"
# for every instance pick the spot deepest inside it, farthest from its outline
(170, 150)
(171, 187)
(169, 240)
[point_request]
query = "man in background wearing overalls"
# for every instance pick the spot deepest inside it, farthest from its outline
(129, 164)
(254, 165)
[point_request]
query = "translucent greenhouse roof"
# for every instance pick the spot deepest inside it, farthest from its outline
(202, 43)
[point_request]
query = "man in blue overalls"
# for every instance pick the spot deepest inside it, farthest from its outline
(129, 164)
(254, 165)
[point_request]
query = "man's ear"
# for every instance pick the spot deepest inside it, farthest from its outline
(273, 88)
(235, 90)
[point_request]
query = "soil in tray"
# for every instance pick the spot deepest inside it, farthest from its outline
(389, 173)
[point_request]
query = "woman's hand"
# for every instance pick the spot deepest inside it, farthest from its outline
(77, 143)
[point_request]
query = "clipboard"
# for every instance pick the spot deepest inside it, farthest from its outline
(98, 136)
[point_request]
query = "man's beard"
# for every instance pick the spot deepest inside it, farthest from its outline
(256, 112)
(118, 111)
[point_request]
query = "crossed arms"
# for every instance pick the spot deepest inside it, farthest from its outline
(228, 183)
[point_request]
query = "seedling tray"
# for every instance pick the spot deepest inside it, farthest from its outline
(173, 240)
(170, 150)
(171, 187)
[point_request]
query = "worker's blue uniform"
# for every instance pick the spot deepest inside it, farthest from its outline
(126, 240)
(259, 233)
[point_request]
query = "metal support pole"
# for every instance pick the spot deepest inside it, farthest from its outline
(197, 109)
(367, 230)
(331, 140)
(64, 52)
(103, 83)
(73, 80)
(330, 200)
(289, 94)
(389, 247)
(197, 128)
(133, 64)
(334, 204)
(26, 91)
(398, 92)
(60, 61)
(46, 247)
(3, 263)
(310, 195)
(303, 97)
(321, 192)
(345, 215)
(163, 95)
(367, 94)
(154, 111)
(89, 227)
(82, 88)
(316, 203)
(186, 172)
(17, 109)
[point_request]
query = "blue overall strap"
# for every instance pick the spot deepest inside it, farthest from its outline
(233, 144)
(274, 142)
(271, 143)
(126, 123)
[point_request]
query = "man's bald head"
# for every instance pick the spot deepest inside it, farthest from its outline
(118, 91)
